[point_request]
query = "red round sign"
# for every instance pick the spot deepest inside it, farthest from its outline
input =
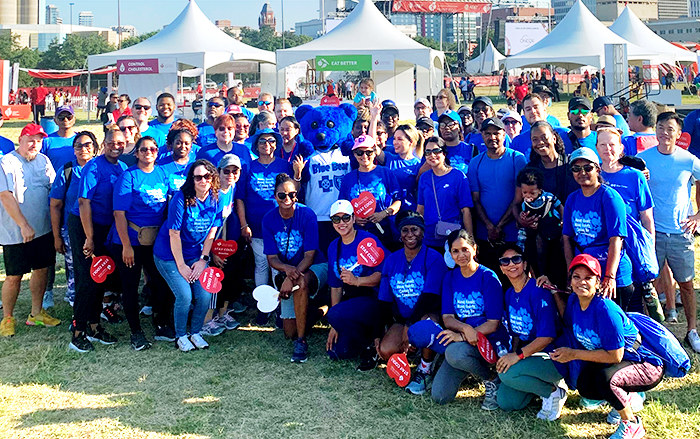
(683, 141)
(211, 279)
(485, 348)
(397, 368)
(101, 267)
(224, 249)
(364, 205)
(369, 253)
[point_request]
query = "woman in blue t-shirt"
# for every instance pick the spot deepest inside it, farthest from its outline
(183, 248)
(354, 314)
(405, 162)
(601, 358)
(531, 321)
(89, 223)
(177, 162)
(293, 144)
(377, 180)
(140, 199)
(63, 195)
(472, 303)
(444, 196)
(595, 222)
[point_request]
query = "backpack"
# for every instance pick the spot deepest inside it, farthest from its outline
(639, 246)
(663, 344)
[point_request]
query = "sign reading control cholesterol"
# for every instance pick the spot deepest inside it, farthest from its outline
(137, 66)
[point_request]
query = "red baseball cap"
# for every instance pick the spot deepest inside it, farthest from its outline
(588, 261)
(33, 129)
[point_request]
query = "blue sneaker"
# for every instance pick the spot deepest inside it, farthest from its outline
(48, 300)
(630, 430)
(592, 404)
(417, 384)
(637, 404)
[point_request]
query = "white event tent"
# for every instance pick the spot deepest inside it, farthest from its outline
(488, 61)
(365, 31)
(631, 28)
(578, 40)
(191, 40)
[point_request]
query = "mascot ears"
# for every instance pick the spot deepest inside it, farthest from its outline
(303, 109)
(349, 110)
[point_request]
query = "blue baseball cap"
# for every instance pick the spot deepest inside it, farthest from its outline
(584, 153)
(424, 334)
(453, 115)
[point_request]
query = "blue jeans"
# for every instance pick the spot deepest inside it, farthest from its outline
(184, 293)
(357, 322)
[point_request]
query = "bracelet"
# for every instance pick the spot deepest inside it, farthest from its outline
(297, 179)
(519, 353)
(463, 339)
(244, 226)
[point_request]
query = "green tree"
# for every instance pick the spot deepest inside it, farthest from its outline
(267, 39)
(27, 58)
(450, 49)
(132, 41)
(73, 52)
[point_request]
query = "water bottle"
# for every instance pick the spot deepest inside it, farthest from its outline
(500, 349)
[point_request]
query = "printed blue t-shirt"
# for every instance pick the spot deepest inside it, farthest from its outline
(257, 188)
(460, 155)
(380, 182)
(531, 313)
(633, 188)
(475, 299)
(97, 185)
(452, 193)
(406, 172)
(67, 194)
(175, 172)
(348, 257)
(299, 237)
(212, 153)
(58, 149)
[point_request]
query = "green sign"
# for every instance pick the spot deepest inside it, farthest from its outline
(344, 63)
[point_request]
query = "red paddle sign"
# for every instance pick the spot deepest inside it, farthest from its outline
(486, 349)
(397, 368)
(683, 141)
(211, 279)
(224, 249)
(369, 253)
(101, 267)
(364, 205)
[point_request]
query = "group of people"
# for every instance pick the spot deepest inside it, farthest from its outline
(513, 227)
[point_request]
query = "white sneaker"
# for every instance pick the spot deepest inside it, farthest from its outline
(198, 341)
(147, 310)
(184, 344)
(48, 300)
(693, 339)
(553, 405)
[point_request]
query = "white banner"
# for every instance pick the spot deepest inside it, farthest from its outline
(382, 62)
(521, 36)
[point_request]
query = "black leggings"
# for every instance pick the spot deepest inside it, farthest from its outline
(613, 383)
(630, 299)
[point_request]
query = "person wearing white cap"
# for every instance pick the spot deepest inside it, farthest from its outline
(354, 314)
(422, 108)
(513, 123)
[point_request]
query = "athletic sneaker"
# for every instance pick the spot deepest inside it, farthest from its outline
(147, 310)
(198, 341)
(672, 316)
(636, 404)
(632, 429)
(552, 405)
(99, 334)
(238, 308)
(592, 404)
(81, 344)
(693, 340)
(491, 391)
(165, 333)
(69, 299)
(184, 344)
(109, 313)
(43, 319)
(7, 326)
(301, 351)
(47, 302)
(212, 328)
(139, 342)
(417, 384)
(229, 322)
(368, 359)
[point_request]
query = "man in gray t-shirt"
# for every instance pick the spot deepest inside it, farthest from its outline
(26, 176)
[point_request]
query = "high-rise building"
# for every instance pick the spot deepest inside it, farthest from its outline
(52, 14)
(609, 10)
(454, 27)
(561, 7)
(267, 17)
(27, 11)
(8, 11)
(85, 18)
(671, 9)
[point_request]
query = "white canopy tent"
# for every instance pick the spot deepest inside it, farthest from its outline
(191, 40)
(488, 61)
(631, 28)
(366, 31)
(578, 40)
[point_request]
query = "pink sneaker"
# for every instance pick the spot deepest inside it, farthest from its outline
(630, 430)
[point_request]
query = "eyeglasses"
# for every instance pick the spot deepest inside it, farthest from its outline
(242, 127)
(578, 168)
(128, 127)
(206, 177)
(480, 109)
(122, 100)
(261, 103)
(283, 195)
(142, 107)
(268, 140)
(449, 125)
(215, 104)
(510, 122)
(581, 111)
(61, 117)
(231, 171)
(337, 218)
(442, 97)
(390, 115)
(147, 149)
(360, 152)
(517, 259)
(85, 145)
(436, 151)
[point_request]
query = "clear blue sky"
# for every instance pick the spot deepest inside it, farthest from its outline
(148, 15)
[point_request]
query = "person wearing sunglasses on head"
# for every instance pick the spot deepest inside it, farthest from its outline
(141, 110)
(207, 132)
(123, 107)
(225, 132)
(130, 127)
(580, 133)
(182, 249)
(299, 269)
(139, 202)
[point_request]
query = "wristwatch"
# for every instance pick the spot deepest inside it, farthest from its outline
(204, 258)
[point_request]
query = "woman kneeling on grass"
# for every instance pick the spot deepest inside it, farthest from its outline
(610, 368)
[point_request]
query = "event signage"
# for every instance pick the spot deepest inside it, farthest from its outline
(344, 63)
(440, 7)
(137, 66)
(521, 36)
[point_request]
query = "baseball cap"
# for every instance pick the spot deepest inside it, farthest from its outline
(452, 115)
(32, 129)
(542, 89)
(389, 105)
(601, 101)
(484, 100)
(229, 160)
(587, 261)
(492, 122)
(510, 114)
(579, 101)
(585, 153)
(65, 109)
(424, 123)
(464, 109)
(234, 109)
(423, 101)
(341, 206)
(423, 334)
(364, 141)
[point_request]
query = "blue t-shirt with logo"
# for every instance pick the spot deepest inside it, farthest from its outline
(6, 146)
(97, 185)
(592, 221)
(452, 193)
(212, 153)
(175, 173)
(58, 149)
(67, 194)
(347, 257)
(207, 134)
(257, 190)
(632, 186)
(405, 172)
(403, 282)
(228, 212)
(475, 299)
(143, 196)
(460, 155)
(194, 224)
(380, 182)
(494, 180)
(290, 238)
(531, 313)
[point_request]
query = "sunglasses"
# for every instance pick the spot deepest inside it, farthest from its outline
(242, 127)
(337, 218)
(479, 109)
(63, 117)
(269, 141)
(128, 127)
(450, 125)
(215, 104)
(84, 145)
(264, 102)
(223, 128)
(510, 122)
(359, 153)
(147, 149)
(578, 168)
(142, 107)
(436, 151)
(122, 100)
(581, 111)
(207, 177)
(231, 171)
(517, 259)
(283, 196)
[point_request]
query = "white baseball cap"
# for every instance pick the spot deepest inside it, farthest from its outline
(341, 206)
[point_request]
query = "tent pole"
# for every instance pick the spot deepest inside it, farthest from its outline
(88, 96)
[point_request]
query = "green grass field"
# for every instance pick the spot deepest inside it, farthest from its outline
(245, 387)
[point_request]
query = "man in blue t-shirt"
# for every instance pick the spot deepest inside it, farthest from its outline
(141, 110)
(165, 106)
(580, 133)
(207, 135)
(641, 120)
(604, 105)
(459, 152)
(534, 110)
(58, 147)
